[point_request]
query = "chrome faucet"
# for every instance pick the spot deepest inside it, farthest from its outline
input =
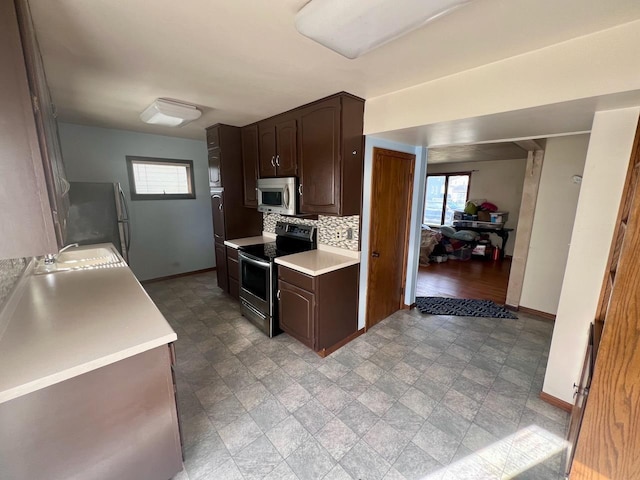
(50, 258)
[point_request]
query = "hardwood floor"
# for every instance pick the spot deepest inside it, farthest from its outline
(480, 279)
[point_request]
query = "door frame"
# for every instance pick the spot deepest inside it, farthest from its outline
(407, 222)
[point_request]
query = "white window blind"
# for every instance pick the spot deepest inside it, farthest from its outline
(161, 178)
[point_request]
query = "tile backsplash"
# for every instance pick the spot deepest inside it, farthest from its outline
(10, 271)
(327, 227)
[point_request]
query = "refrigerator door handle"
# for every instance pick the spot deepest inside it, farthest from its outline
(123, 220)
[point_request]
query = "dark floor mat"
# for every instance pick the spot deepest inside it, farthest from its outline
(462, 307)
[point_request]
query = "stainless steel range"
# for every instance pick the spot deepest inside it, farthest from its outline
(259, 275)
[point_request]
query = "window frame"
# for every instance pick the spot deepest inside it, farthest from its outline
(160, 196)
(446, 189)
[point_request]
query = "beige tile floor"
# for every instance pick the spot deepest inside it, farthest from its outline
(416, 397)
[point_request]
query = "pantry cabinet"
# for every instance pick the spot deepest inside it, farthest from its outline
(250, 165)
(228, 190)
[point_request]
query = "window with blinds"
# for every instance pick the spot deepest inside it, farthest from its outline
(160, 178)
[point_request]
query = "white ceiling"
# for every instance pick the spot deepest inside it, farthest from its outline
(243, 60)
(481, 152)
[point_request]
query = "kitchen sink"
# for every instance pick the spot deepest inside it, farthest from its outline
(81, 258)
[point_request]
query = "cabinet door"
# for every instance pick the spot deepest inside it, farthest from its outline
(217, 211)
(297, 312)
(250, 165)
(320, 169)
(215, 179)
(213, 137)
(221, 267)
(267, 150)
(46, 123)
(287, 153)
(26, 213)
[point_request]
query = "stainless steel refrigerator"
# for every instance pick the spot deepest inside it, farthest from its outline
(98, 213)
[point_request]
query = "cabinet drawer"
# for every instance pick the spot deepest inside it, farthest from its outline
(232, 253)
(297, 279)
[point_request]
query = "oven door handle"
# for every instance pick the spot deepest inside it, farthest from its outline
(252, 261)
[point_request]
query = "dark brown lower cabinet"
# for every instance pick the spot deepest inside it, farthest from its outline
(297, 312)
(221, 266)
(118, 421)
(319, 311)
(233, 272)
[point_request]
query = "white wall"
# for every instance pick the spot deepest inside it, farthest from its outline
(168, 236)
(419, 183)
(553, 221)
(605, 169)
(602, 63)
(498, 181)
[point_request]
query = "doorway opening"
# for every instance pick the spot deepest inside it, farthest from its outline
(472, 203)
(391, 199)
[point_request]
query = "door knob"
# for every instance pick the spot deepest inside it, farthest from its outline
(375, 254)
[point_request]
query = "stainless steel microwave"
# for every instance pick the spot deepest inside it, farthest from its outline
(278, 195)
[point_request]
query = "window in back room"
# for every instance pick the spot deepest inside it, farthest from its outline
(444, 194)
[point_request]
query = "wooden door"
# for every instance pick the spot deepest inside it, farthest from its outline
(391, 195)
(221, 266)
(267, 150)
(250, 165)
(217, 211)
(319, 161)
(287, 150)
(608, 442)
(297, 312)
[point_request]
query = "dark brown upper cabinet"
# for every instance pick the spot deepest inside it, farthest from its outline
(226, 174)
(331, 156)
(278, 153)
(250, 164)
(215, 179)
(322, 144)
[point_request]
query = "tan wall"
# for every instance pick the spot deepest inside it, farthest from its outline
(602, 63)
(553, 222)
(598, 204)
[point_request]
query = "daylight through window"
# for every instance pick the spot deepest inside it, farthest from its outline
(158, 178)
(445, 193)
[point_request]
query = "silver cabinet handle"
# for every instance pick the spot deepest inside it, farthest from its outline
(273, 162)
(277, 160)
(300, 189)
(220, 207)
(278, 295)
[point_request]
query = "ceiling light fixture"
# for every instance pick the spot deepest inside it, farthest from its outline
(169, 113)
(354, 27)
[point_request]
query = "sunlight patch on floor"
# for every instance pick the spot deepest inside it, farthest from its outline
(505, 459)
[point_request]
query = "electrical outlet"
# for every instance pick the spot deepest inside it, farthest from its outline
(344, 234)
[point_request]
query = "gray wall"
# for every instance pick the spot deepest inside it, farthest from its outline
(168, 236)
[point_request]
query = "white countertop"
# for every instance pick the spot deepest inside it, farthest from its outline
(58, 326)
(266, 237)
(323, 260)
